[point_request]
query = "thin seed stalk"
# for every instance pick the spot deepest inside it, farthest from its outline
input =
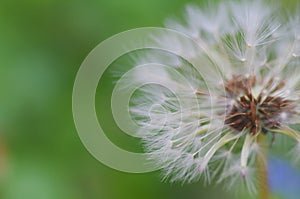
(262, 168)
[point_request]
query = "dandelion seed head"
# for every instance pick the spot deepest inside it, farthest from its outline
(207, 127)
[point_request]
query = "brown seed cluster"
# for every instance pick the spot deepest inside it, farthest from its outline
(266, 111)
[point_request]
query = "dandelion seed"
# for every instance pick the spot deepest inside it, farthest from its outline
(216, 136)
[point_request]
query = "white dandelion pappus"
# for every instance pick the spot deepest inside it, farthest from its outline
(215, 134)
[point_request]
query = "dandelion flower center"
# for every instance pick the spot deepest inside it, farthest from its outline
(258, 113)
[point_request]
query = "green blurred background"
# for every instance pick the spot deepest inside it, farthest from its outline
(42, 44)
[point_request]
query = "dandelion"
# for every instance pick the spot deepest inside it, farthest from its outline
(219, 127)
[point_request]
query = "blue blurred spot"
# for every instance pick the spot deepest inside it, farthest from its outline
(284, 179)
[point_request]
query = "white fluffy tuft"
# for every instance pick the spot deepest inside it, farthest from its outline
(181, 117)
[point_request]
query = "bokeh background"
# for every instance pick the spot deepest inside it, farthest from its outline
(42, 44)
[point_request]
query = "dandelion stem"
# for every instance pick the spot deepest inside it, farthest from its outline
(262, 168)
